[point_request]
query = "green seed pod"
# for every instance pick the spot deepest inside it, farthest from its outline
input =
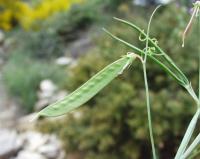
(89, 89)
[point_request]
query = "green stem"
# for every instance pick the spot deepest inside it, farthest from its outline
(188, 135)
(192, 93)
(194, 144)
(147, 87)
(149, 112)
(198, 42)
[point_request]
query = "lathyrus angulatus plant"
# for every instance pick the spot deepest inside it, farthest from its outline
(153, 52)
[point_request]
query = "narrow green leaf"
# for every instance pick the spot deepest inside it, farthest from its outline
(89, 89)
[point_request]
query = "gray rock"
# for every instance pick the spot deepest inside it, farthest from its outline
(32, 140)
(50, 151)
(77, 114)
(27, 122)
(47, 88)
(140, 2)
(63, 61)
(45, 94)
(46, 145)
(147, 2)
(10, 144)
(29, 155)
(81, 46)
(164, 1)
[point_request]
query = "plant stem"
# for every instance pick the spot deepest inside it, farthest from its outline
(149, 112)
(198, 41)
(192, 93)
(147, 87)
(188, 135)
(191, 147)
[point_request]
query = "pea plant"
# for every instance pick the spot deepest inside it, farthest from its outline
(153, 52)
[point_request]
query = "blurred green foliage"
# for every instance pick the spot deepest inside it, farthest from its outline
(42, 44)
(113, 124)
(22, 76)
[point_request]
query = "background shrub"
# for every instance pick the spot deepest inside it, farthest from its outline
(22, 76)
(28, 13)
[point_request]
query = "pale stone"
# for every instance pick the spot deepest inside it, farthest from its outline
(28, 122)
(52, 148)
(10, 144)
(64, 61)
(147, 2)
(50, 151)
(29, 155)
(47, 88)
(77, 114)
(32, 140)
